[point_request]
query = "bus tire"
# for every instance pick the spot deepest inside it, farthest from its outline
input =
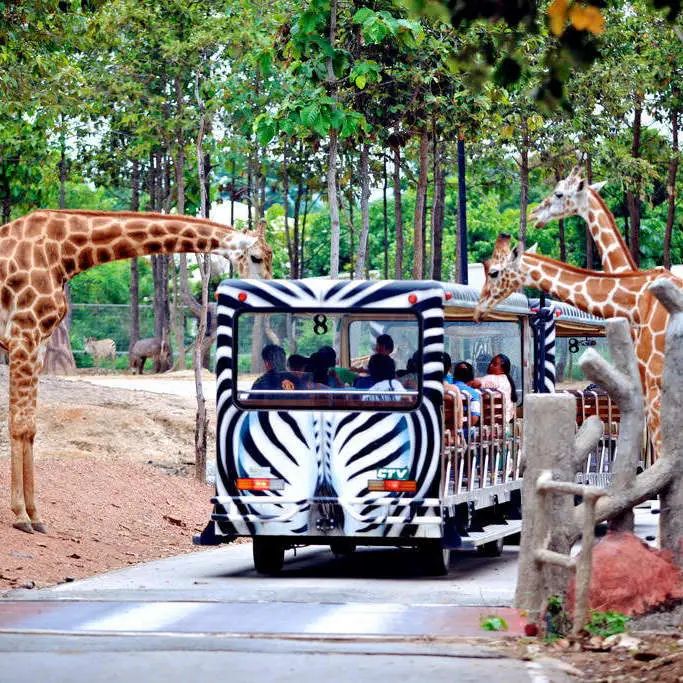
(492, 549)
(436, 559)
(269, 556)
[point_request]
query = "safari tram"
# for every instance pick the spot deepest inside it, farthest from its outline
(316, 446)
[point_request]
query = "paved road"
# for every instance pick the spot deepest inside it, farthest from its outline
(210, 614)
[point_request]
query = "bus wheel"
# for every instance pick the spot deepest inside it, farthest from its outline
(436, 559)
(342, 548)
(492, 549)
(269, 555)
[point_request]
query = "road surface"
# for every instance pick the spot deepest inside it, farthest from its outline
(209, 614)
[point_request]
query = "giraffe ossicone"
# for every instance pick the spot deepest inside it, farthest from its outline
(608, 295)
(39, 253)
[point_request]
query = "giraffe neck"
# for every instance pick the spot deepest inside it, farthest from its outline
(83, 239)
(614, 254)
(606, 295)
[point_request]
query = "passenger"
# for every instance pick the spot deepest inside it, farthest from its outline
(383, 373)
(498, 377)
(275, 377)
(463, 373)
(321, 365)
(411, 376)
(451, 388)
(297, 363)
(365, 381)
(340, 376)
(384, 345)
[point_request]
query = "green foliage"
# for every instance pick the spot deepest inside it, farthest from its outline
(275, 88)
(494, 623)
(607, 623)
(110, 283)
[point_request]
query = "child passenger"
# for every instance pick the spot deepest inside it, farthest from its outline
(463, 373)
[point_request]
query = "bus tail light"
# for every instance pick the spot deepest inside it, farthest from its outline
(394, 485)
(260, 484)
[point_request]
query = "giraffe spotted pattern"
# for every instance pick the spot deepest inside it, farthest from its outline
(39, 253)
(608, 295)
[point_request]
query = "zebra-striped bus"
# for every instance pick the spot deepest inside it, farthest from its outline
(321, 441)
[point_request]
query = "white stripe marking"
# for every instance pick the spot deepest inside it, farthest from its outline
(149, 617)
(359, 619)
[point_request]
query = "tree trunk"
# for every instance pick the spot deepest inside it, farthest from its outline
(134, 271)
(204, 262)
(207, 182)
(302, 262)
(364, 209)
(461, 267)
(420, 197)
(438, 205)
(334, 206)
(6, 197)
(524, 183)
(560, 226)
(296, 267)
(62, 168)
(385, 217)
(671, 188)
(332, 195)
(352, 232)
(233, 180)
(633, 196)
(177, 313)
(250, 189)
(159, 263)
(398, 212)
(285, 201)
(59, 357)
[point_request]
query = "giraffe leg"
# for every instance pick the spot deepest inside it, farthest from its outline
(23, 365)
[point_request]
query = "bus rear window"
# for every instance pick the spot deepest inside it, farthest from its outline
(334, 361)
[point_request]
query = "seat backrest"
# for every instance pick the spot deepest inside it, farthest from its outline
(492, 409)
(594, 403)
(448, 410)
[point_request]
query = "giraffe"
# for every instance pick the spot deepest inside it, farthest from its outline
(39, 253)
(573, 196)
(608, 295)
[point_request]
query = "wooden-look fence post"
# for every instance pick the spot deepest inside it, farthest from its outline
(551, 443)
(582, 564)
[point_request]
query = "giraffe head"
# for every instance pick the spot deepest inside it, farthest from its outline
(249, 253)
(503, 276)
(569, 198)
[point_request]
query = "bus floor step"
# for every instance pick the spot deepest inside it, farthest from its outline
(492, 532)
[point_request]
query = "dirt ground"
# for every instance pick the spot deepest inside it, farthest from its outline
(116, 486)
(115, 481)
(641, 657)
